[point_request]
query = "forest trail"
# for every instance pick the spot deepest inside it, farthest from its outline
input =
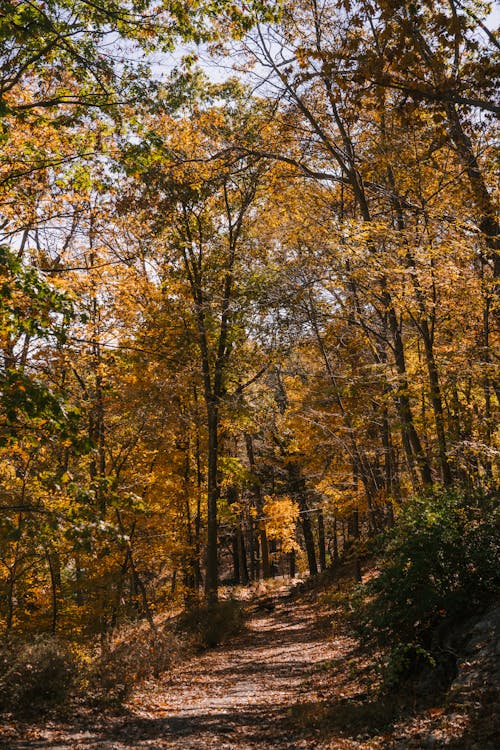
(294, 678)
(247, 694)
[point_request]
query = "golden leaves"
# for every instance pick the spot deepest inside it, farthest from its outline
(280, 518)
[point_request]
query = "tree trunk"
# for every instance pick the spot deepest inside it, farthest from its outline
(236, 558)
(54, 579)
(212, 567)
(437, 404)
(257, 490)
(321, 540)
(487, 213)
(411, 441)
(297, 488)
(335, 552)
(254, 551)
(354, 523)
(242, 556)
(292, 563)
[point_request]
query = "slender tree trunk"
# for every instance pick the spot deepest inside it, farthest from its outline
(354, 523)
(252, 543)
(292, 564)
(487, 385)
(236, 558)
(335, 553)
(437, 404)
(257, 490)
(54, 580)
(242, 556)
(411, 440)
(309, 541)
(487, 212)
(199, 484)
(211, 580)
(10, 597)
(13, 572)
(321, 540)
(297, 488)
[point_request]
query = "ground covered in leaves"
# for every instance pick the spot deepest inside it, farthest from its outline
(294, 678)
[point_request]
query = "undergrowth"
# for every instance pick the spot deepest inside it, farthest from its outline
(36, 674)
(209, 625)
(438, 565)
(137, 654)
(45, 672)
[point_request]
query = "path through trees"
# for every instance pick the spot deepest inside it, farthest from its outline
(294, 678)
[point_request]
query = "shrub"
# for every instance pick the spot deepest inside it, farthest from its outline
(35, 675)
(138, 655)
(212, 624)
(404, 660)
(439, 564)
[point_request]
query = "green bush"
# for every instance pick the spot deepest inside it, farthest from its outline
(439, 565)
(212, 624)
(35, 675)
(404, 660)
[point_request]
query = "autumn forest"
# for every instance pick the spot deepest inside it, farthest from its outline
(249, 309)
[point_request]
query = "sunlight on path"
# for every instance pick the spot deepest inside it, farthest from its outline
(245, 688)
(235, 697)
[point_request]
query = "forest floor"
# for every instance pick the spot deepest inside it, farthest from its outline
(294, 678)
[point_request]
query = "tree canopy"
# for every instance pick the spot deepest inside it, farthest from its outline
(242, 321)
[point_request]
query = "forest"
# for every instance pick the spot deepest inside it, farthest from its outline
(249, 263)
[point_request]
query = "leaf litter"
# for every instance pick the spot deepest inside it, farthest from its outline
(294, 678)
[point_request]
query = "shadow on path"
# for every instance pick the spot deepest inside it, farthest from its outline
(252, 693)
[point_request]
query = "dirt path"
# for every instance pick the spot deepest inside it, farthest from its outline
(290, 680)
(249, 694)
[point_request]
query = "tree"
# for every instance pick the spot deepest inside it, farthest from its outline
(205, 205)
